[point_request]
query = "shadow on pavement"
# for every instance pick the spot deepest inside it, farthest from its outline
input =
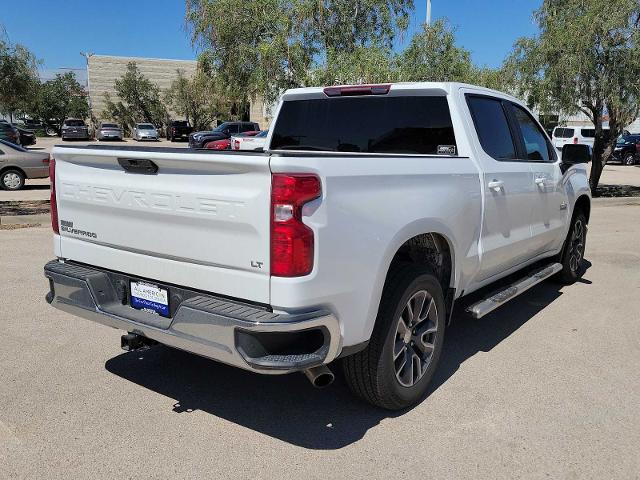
(28, 186)
(287, 407)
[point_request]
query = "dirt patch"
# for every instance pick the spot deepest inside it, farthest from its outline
(24, 207)
(19, 225)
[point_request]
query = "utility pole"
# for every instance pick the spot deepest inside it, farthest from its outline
(428, 13)
(87, 56)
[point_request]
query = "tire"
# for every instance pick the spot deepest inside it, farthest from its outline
(12, 180)
(386, 372)
(50, 132)
(572, 256)
(629, 159)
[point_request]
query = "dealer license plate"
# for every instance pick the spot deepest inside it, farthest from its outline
(150, 298)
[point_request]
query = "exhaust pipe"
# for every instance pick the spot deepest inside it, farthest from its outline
(320, 376)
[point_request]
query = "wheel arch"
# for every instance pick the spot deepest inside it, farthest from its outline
(13, 167)
(583, 203)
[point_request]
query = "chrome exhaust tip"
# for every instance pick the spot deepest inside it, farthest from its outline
(320, 377)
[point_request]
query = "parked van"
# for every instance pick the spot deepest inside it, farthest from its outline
(577, 135)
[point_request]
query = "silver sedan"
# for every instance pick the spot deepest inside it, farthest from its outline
(109, 131)
(18, 164)
(145, 131)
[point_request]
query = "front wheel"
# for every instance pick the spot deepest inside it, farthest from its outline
(572, 257)
(629, 159)
(395, 369)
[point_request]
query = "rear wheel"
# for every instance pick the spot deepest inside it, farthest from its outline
(395, 369)
(12, 180)
(572, 257)
(629, 159)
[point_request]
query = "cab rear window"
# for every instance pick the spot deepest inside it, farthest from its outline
(367, 124)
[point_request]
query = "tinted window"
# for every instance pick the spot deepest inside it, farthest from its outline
(563, 133)
(412, 125)
(248, 127)
(145, 126)
(74, 123)
(180, 123)
(109, 125)
(588, 132)
(492, 127)
(535, 142)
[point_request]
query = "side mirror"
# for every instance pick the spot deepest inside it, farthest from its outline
(573, 154)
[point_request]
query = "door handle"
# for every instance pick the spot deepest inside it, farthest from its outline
(496, 185)
(539, 181)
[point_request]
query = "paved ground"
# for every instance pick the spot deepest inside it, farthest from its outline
(548, 386)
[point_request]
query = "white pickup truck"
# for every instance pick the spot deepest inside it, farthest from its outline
(371, 210)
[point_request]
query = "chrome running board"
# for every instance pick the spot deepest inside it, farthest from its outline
(488, 305)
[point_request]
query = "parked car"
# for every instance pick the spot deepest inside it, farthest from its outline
(178, 129)
(27, 137)
(346, 238)
(576, 135)
(627, 149)
(225, 130)
(145, 131)
(18, 163)
(9, 133)
(109, 131)
(224, 144)
(249, 142)
(73, 128)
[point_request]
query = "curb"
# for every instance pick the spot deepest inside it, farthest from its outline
(43, 218)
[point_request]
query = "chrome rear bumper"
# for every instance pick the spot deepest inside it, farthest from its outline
(232, 332)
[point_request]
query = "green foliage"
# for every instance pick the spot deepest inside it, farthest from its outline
(60, 98)
(18, 77)
(347, 25)
(369, 64)
(199, 99)
(586, 58)
(270, 45)
(432, 55)
(138, 100)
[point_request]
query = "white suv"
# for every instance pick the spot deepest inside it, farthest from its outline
(576, 135)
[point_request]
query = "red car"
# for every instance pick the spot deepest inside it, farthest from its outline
(225, 143)
(219, 144)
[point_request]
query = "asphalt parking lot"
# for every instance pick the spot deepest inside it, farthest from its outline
(548, 386)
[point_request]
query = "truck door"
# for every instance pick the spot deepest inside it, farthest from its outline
(508, 190)
(549, 207)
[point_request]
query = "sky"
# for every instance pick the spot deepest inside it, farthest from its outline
(56, 31)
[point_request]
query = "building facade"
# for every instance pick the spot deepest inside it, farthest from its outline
(104, 70)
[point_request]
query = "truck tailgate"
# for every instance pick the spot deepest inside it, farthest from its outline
(202, 220)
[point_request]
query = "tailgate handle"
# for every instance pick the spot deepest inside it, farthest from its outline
(138, 165)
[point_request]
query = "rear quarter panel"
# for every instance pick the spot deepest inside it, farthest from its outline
(370, 206)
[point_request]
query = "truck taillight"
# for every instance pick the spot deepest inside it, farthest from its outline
(53, 203)
(575, 140)
(236, 144)
(292, 242)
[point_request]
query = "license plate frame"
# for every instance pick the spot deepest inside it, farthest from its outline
(149, 297)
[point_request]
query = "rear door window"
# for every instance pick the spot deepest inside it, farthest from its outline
(366, 124)
(491, 123)
(534, 141)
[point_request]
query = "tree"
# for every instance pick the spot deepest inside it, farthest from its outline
(253, 50)
(585, 59)
(199, 99)
(432, 55)
(270, 45)
(370, 64)
(138, 100)
(60, 98)
(18, 77)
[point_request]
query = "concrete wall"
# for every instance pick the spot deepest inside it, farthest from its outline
(104, 70)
